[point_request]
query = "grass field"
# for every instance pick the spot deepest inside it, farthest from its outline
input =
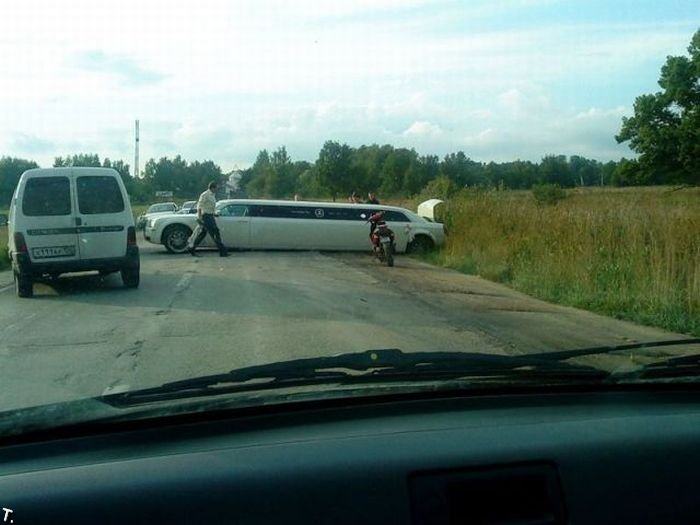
(628, 253)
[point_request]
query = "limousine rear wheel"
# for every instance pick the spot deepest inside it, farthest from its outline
(175, 238)
(421, 244)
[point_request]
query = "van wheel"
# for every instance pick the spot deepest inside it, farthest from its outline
(24, 285)
(421, 244)
(175, 238)
(131, 277)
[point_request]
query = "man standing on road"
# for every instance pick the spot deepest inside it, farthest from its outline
(206, 208)
(372, 198)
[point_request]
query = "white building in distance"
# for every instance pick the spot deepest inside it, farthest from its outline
(233, 183)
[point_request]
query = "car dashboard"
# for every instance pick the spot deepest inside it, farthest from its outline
(576, 457)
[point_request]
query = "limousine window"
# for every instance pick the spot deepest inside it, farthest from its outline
(329, 213)
(395, 216)
(301, 212)
(99, 194)
(234, 210)
(45, 196)
(282, 212)
(342, 214)
(389, 215)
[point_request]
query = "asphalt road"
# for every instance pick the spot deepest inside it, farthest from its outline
(83, 335)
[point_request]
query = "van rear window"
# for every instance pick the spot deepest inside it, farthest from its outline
(99, 194)
(46, 196)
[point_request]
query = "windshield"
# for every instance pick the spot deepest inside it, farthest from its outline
(467, 191)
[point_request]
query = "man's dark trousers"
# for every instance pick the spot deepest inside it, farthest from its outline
(209, 226)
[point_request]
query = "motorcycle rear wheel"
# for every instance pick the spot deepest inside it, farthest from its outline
(389, 255)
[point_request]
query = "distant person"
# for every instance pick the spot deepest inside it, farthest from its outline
(372, 198)
(206, 209)
(297, 197)
(354, 199)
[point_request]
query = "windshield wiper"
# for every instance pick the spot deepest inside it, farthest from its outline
(393, 365)
(597, 350)
(687, 366)
(372, 366)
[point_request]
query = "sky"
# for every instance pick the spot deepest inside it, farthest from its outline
(222, 79)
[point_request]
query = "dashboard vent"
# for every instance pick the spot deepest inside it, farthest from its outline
(508, 495)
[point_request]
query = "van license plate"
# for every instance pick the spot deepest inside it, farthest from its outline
(53, 251)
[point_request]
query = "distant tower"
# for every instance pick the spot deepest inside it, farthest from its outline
(136, 151)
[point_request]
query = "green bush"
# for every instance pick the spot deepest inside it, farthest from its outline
(548, 194)
(439, 188)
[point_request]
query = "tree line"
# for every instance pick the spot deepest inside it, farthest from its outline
(341, 170)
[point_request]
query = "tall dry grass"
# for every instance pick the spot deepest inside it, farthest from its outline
(632, 253)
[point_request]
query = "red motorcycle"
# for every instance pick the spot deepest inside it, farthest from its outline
(382, 239)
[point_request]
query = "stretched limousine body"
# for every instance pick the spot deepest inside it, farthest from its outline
(285, 225)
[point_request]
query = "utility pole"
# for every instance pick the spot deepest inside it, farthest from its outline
(136, 151)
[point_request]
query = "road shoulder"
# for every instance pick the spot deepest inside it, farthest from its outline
(526, 324)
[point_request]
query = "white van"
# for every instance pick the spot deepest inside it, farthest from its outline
(71, 220)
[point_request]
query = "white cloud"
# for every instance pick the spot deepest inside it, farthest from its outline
(597, 113)
(590, 133)
(482, 114)
(423, 128)
(30, 144)
(125, 69)
(483, 138)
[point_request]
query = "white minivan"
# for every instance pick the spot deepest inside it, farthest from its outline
(71, 220)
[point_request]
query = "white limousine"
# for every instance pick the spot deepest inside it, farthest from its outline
(291, 225)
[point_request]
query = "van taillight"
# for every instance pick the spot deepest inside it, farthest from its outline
(20, 244)
(131, 236)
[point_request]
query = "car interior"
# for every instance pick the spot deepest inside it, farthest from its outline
(621, 456)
